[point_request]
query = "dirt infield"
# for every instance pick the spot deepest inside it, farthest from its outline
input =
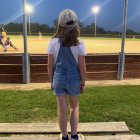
(93, 45)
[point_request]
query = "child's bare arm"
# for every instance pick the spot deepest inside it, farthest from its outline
(82, 68)
(50, 66)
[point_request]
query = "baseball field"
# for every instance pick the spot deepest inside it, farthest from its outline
(92, 44)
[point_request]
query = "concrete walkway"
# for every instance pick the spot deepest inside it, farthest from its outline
(32, 86)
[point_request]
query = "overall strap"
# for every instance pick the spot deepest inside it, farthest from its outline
(60, 40)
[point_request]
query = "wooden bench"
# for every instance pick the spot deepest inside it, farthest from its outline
(50, 131)
(52, 128)
(117, 137)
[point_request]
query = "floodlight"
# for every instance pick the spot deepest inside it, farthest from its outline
(96, 9)
(29, 8)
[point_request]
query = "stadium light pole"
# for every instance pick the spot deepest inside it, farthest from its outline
(29, 10)
(95, 10)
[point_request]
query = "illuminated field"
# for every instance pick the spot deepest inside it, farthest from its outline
(93, 45)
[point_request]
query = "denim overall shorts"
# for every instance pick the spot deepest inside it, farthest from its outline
(66, 78)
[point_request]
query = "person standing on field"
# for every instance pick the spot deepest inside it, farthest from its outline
(2, 42)
(4, 34)
(67, 71)
(40, 35)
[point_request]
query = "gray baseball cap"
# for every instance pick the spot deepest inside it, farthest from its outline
(68, 18)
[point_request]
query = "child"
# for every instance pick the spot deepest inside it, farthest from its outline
(2, 41)
(66, 68)
(40, 35)
(20, 36)
(4, 34)
(9, 43)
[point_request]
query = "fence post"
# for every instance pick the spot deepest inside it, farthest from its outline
(26, 71)
(25, 58)
(121, 63)
(122, 55)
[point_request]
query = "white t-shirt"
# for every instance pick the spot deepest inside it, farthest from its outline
(54, 46)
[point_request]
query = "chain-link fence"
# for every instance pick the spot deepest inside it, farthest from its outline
(102, 25)
(101, 32)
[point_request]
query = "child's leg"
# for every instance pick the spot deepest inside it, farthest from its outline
(4, 46)
(13, 46)
(74, 113)
(62, 113)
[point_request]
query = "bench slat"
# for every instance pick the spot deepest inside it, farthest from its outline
(52, 128)
(116, 137)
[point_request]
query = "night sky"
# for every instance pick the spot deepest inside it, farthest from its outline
(45, 11)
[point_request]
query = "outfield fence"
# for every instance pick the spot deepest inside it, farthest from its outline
(104, 27)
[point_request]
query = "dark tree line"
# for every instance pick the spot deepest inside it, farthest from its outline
(46, 29)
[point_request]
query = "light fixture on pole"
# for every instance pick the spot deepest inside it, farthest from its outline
(29, 10)
(95, 10)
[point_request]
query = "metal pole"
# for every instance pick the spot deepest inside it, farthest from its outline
(29, 24)
(122, 54)
(26, 68)
(95, 25)
(124, 25)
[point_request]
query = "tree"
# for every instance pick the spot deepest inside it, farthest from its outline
(55, 22)
(81, 24)
(130, 32)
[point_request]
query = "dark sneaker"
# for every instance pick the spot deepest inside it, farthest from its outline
(79, 137)
(62, 138)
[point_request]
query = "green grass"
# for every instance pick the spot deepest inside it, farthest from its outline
(98, 104)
